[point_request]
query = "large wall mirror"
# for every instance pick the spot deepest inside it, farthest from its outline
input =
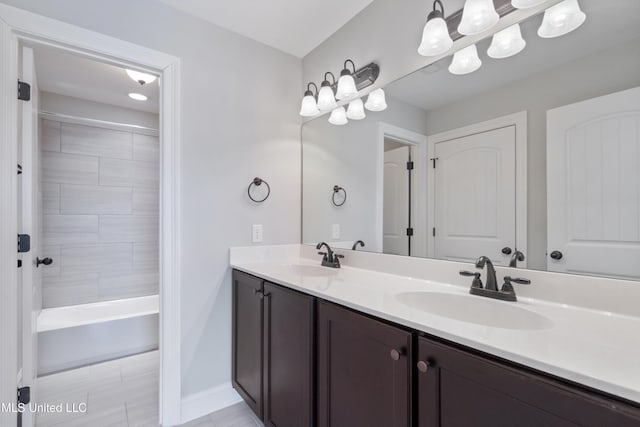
(532, 160)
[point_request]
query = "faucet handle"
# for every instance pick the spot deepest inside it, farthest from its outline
(518, 280)
(469, 273)
(477, 282)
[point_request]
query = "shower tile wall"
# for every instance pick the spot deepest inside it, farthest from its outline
(100, 192)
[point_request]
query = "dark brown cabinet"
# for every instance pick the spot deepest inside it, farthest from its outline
(273, 351)
(364, 370)
(457, 388)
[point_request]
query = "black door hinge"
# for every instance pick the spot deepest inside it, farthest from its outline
(433, 159)
(409, 231)
(24, 91)
(433, 232)
(24, 243)
(24, 395)
(19, 169)
(19, 263)
(409, 165)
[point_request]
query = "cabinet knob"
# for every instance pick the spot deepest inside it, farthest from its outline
(395, 354)
(258, 293)
(423, 366)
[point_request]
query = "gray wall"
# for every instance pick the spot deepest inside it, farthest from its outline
(588, 77)
(100, 192)
(240, 103)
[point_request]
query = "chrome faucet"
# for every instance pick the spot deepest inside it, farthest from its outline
(506, 292)
(329, 258)
(517, 256)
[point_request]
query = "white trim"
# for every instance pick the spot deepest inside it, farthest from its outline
(67, 118)
(27, 26)
(519, 120)
(211, 400)
(418, 142)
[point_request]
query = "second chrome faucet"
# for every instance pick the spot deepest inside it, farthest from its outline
(329, 258)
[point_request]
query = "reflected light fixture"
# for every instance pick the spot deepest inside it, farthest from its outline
(309, 107)
(346, 83)
(376, 101)
(525, 4)
(140, 77)
(561, 19)
(477, 16)
(506, 43)
(326, 98)
(137, 96)
(435, 36)
(465, 61)
(338, 117)
(356, 110)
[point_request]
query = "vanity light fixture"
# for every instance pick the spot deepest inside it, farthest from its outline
(356, 110)
(338, 117)
(435, 36)
(137, 96)
(376, 101)
(326, 98)
(465, 61)
(561, 19)
(477, 16)
(506, 43)
(346, 83)
(309, 107)
(525, 4)
(140, 77)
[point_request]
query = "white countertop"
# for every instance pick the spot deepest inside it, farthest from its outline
(599, 349)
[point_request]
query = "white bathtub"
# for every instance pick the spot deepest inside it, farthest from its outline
(79, 335)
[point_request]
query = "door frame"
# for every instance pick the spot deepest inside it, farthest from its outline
(519, 120)
(16, 26)
(418, 144)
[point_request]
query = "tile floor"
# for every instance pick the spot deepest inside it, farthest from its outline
(121, 392)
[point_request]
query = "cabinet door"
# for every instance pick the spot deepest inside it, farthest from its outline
(364, 370)
(461, 389)
(288, 357)
(247, 339)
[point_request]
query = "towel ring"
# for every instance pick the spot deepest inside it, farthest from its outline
(258, 182)
(337, 189)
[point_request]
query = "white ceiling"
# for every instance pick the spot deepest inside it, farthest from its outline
(607, 24)
(293, 26)
(67, 74)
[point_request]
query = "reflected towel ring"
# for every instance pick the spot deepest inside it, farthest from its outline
(258, 182)
(336, 190)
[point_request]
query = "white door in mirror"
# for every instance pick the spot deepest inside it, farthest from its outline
(593, 186)
(475, 196)
(395, 216)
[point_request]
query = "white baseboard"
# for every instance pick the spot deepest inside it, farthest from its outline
(205, 402)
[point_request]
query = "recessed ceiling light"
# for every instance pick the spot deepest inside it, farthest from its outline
(142, 78)
(137, 96)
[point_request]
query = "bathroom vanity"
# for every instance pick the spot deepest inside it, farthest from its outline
(357, 347)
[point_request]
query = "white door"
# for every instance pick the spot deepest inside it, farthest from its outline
(475, 196)
(395, 217)
(593, 186)
(30, 223)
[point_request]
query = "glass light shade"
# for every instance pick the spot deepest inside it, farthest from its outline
(561, 19)
(346, 87)
(142, 78)
(435, 38)
(338, 117)
(326, 100)
(477, 16)
(525, 4)
(356, 110)
(137, 96)
(309, 108)
(465, 61)
(376, 101)
(506, 43)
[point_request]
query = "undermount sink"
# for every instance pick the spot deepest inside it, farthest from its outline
(476, 310)
(310, 270)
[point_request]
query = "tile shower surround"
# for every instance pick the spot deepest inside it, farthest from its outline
(100, 195)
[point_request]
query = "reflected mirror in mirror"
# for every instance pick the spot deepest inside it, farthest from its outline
(532, 160)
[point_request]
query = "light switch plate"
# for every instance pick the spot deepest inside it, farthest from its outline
(256, 233)
(335, 232)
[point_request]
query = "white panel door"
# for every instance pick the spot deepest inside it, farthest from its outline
(593, 186)
(475, 196)
(396, 202)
